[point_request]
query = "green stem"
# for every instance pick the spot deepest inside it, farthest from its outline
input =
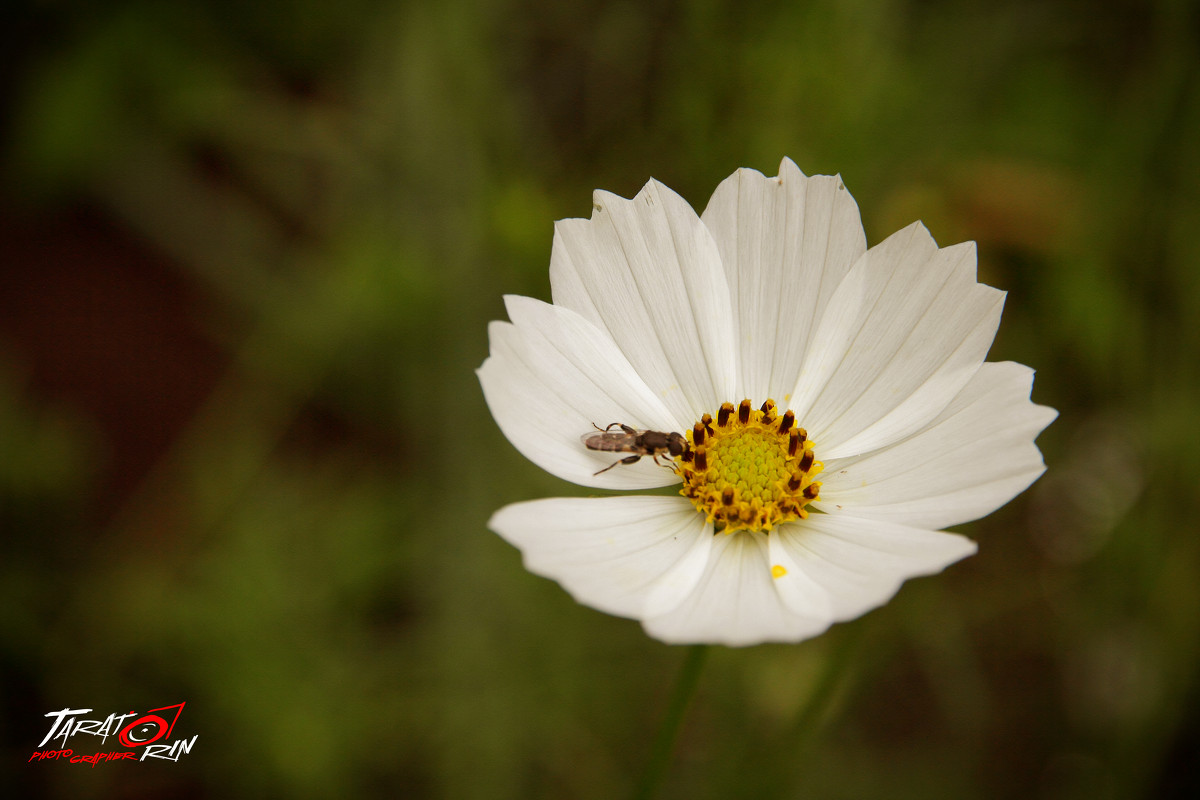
(664, 743)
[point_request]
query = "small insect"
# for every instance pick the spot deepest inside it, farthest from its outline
(632, 440)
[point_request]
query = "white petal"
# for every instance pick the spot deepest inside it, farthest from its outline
(678, 582)
(786, 243)
(901, 338)
(736, 602)
(799, 592)
(648, 273)
(552, 376)
(861, 563)
(611, 553)
(974, 457)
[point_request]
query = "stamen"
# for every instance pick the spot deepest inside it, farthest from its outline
(752, 470)
(723, 414)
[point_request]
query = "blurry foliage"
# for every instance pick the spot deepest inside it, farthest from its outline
(352, 186)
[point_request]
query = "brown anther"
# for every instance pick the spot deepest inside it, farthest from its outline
(723, 414)
(761, 470)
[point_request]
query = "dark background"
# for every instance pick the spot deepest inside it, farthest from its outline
(249, 251)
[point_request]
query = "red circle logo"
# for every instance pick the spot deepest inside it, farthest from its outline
(143, 731)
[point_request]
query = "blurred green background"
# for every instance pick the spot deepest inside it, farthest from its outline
(249, 255)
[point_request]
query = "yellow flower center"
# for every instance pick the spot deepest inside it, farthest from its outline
(750, 469)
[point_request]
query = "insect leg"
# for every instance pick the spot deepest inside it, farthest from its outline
(630, 460)
(671, 465)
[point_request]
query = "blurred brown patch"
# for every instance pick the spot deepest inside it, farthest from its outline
(104, 324)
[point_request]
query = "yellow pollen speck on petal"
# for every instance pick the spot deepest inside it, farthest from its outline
(753, 470)
(778, 571)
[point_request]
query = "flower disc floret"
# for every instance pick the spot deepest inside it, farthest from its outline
(750, 469)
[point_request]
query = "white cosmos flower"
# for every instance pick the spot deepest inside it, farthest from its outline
(660, 317)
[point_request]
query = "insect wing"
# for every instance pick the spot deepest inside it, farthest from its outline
(609, 441)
